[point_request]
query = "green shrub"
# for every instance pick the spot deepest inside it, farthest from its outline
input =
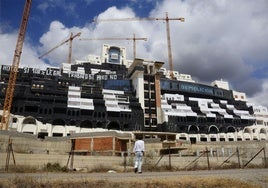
(55, 167)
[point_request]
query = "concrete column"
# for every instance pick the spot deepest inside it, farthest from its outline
(160, 118)
(113, 146)
(49, 129)
(92, 145)
(129, 147)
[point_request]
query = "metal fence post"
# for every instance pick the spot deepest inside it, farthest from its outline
(207, 158)
(238, 157)
(265, 162)
(169, 157)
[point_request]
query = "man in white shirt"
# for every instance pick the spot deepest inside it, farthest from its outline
(139, 153)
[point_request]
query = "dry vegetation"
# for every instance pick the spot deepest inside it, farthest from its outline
(188, 182)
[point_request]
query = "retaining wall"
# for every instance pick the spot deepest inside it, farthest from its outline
(29, 150)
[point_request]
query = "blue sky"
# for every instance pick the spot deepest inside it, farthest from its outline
(220, 39)
(70, 12)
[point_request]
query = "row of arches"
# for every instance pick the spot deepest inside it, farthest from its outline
(203, 119)
(197, 128)
(114, 125)
(212, 129)
(255, 130)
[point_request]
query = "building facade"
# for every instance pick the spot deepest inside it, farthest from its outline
(108, 92)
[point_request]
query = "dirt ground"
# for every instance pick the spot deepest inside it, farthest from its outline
(256, 176)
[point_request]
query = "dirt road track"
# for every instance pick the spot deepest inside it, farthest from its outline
(257, 176)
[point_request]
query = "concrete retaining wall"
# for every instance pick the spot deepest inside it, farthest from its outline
(29, 150)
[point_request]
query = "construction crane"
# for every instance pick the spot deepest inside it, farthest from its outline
(120, 38)
(14, 67)
(70, 40)
(166, 19)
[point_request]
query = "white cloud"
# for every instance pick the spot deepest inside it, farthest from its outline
(223, 39)
(261, 97)
(57, 34)
(68, 6)
(88, 2)
(7, 49)
(43, 6)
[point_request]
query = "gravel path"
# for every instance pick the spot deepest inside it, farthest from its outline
(257, 176)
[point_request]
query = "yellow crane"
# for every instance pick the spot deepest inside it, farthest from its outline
(14, 67)
(166, 19)
(120, 38)
(70, 40)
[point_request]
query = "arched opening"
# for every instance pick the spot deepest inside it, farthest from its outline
(230, 129)
(113, 125)
(247, 130)
(29, 120)
(213, 129)
(193, 129)
(86, 124)
(263, 131)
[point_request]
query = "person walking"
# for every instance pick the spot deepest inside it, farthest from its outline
(139, 153)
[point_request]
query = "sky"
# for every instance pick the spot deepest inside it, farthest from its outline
(220, 39)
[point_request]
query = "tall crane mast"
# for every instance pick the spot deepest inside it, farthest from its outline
(70, 40)
(166, 19)
(120, 38)
(14, 67)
